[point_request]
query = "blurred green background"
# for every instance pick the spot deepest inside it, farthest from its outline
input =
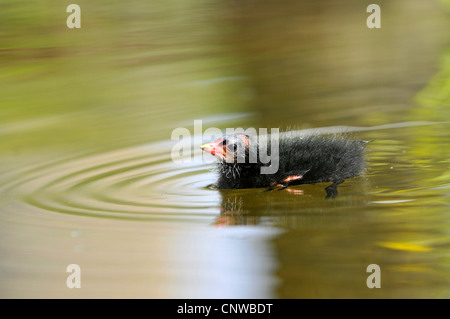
(140, 65)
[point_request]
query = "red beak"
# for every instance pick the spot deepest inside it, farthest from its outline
(214, 148)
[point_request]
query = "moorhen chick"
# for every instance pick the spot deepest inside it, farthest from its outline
(302, 160)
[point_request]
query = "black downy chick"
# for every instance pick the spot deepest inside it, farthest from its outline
(302, 160)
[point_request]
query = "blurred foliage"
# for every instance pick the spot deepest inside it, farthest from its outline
(435, 98)
(130, 74)
(133, 72)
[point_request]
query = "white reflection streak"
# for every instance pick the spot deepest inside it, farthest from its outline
(230, 262)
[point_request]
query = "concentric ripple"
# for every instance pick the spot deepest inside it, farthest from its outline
(144, 183)
(133, 183)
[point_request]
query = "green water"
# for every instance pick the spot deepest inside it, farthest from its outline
(87, 178)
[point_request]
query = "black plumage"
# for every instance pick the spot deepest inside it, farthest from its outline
(302, 160)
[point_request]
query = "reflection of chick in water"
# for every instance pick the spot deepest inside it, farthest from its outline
(233, 211)
(295, 207)
(251, 207)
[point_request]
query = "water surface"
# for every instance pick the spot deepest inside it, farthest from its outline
(87, 178)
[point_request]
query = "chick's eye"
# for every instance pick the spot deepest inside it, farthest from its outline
(232, 147)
